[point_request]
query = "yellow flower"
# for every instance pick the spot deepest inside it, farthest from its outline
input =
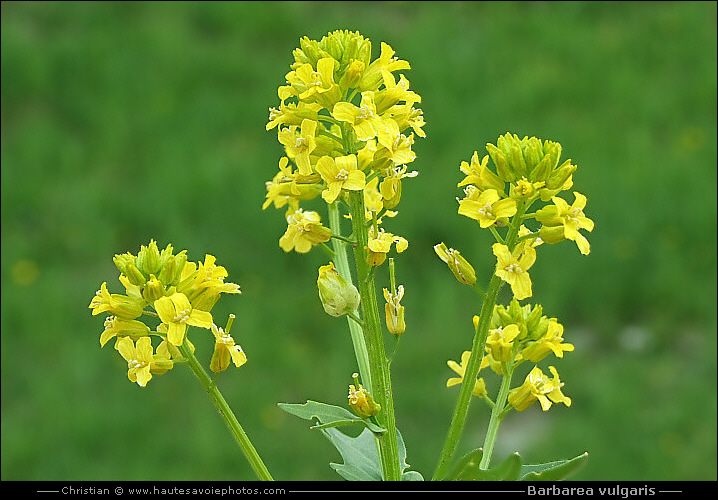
(380, 243)
(463, 271)
(390, 187)
(561, 221)
(142, 362)
(394, 311)
(119, 327)
(479, 175)
(292, 114)
(550, 342)
(361, 401)
(500, 342)
(177, 312)
(304, 230)
(394, 92)
(365, 120)
(300, 144)
(373, 75)
(122, 306)
(488, 208)
(310, 85)
(340, 173)
(514, 269)
(225, 350)
(538, 386)
(479, 389)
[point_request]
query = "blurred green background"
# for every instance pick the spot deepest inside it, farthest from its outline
(123, 122)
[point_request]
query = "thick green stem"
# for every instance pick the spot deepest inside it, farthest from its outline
(477, 350)
(227, 415)
(496, 416)
(378, 363)
(341, 261)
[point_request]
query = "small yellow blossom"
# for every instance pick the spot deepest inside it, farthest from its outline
(479, 389)
(538, 386)
(177, 312)
(304, 230)
(478, 174)
(122, 306)
(513, 269)
(488, 208)
(394, 311)
(365, 120)
(142, 362)
(500, 342)
(380, 243)
(299, 144)
(361, 401)
(118, 327)
(225, 350)
(340, 173)
(550, 342)
(561, 221)
(463, 271)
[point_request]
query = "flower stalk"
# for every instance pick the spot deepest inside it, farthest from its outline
(378, 363)
(227, 415)
(477, 349)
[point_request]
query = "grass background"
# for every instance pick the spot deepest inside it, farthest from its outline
(123, 122)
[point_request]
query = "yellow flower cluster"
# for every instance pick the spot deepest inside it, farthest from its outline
(517, 334)
(346, 123)
(525, 171)
(179, 293)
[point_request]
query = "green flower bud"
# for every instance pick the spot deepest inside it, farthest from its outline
(153, 289)
(338, 296)
(552, 234)
(125, 263)
(533, 153)
(560, 175)
(148, 259)
(503, 167)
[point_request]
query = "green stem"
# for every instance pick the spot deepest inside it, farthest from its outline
(461, 410)
(341, 261)
(496, 416)
(226, 412)
(381, 386)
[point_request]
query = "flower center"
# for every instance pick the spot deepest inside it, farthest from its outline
(513, 268)
(486, 210)
(364, 112)
(182, 316)
(342, 175)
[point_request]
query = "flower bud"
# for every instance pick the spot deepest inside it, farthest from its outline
(361, 401)
(338, 296)
(503, 167)
(125, 263)
(353, 75)
(153, 289)
(148, 259)
(463, 271)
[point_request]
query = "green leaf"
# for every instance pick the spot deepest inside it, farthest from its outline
(361, 462)
(328, 415)
(471, 459)
(467, 469)
(553, 471)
